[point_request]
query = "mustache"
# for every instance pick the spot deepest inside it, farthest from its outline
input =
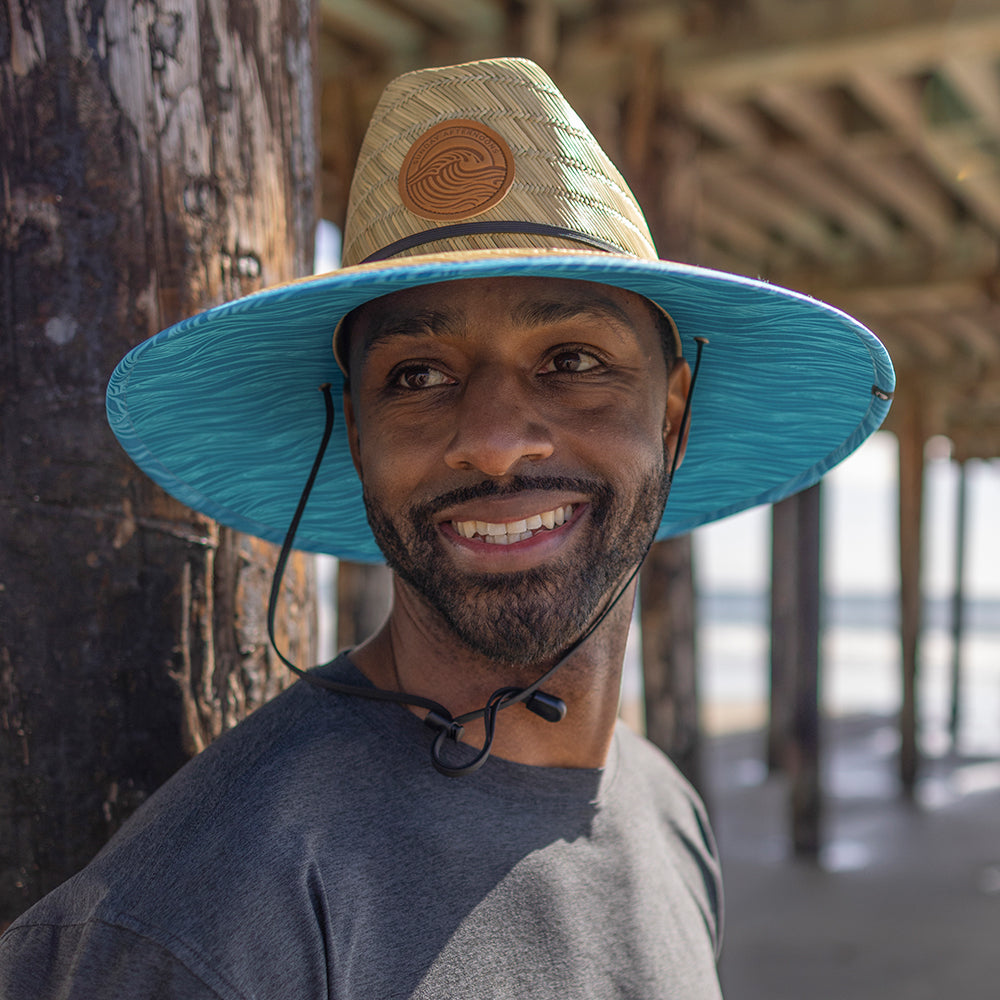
(489, 488)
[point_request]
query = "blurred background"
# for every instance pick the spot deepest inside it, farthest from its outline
(827, 672)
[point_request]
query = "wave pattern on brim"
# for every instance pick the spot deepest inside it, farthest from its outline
(223, 411)
(784, 393)
(230, 423)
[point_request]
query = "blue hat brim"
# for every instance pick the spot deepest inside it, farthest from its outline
(223, 410)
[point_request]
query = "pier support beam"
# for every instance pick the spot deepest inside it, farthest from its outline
(912, 437)
(794, 729)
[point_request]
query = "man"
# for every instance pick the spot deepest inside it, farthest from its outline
(513, 407)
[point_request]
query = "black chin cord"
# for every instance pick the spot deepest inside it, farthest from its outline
(279, 572)
(438, 718)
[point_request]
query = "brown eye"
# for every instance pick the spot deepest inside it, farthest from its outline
(571, 361)
(420, 377)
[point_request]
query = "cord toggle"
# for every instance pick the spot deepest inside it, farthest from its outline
(444, 725)
(548, 706)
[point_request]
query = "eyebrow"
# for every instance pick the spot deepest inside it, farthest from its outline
(541, 313)
(446, 322)
(406, 323)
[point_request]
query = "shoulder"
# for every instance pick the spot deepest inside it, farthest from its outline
(236, 783)
(647, 775)
(640, 761)
(41, 960)
(246, 829)
(654, 794)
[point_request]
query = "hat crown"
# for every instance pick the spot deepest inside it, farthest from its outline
(481, 156)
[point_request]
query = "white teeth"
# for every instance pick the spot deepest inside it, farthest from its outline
(513, 531)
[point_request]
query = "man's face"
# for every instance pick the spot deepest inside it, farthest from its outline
(511, 438)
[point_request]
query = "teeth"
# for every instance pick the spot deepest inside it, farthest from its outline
(513, 531)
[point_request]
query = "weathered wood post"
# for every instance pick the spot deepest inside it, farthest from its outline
(794, 728)
(912, 434)
(803, 747)
(157, 158)
(667, 618)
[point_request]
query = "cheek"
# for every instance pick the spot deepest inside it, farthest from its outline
(403, 452)
(394, 456)
(626, 433)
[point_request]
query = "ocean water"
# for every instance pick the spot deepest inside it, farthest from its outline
(860, 653)
(860, 670)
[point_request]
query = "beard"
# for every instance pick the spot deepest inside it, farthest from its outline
(525, 617)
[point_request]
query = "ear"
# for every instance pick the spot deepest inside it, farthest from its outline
(351, 424)
(678, 387)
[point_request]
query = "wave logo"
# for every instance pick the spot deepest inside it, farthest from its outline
(456, 170)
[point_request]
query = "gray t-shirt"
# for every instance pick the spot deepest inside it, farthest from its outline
(314, 852)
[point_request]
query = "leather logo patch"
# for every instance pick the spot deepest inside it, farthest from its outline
(455, 170)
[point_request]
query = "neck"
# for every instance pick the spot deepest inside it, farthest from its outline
(415, 651)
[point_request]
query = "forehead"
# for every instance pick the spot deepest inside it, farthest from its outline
(453, 308)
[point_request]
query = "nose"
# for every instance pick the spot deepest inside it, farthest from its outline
(497, 426)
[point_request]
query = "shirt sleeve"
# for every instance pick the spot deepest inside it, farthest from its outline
(95, 959)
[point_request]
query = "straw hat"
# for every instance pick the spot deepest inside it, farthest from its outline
(475, 171)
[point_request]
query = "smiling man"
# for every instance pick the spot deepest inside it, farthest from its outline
(513, 436)
(451, 809)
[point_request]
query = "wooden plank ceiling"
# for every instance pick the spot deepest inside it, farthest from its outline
(844, 148)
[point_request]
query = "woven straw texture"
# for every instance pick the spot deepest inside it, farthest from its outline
(561, 174)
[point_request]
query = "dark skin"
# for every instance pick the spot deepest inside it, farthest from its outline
(555, 394)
